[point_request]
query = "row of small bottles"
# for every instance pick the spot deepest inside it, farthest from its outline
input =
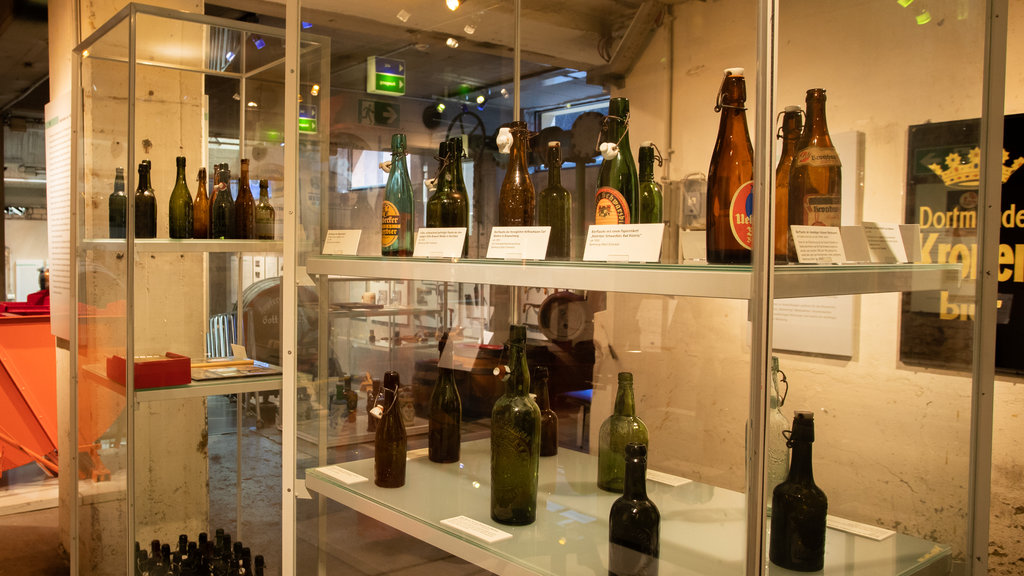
(203, 558)
(621, 198)
(216, 216)
(808, 179)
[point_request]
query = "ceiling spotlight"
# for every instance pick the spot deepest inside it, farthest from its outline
(440, 107)
(252, 104)
(229, 56)
(85, 54)
(504, 93)
(258, 42)
(453, 5)
(480, 99)
(469, 29)
(451, 42)
(403, 15)
(315, 89)
(924, 17)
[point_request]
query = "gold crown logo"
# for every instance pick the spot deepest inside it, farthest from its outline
(960, 174)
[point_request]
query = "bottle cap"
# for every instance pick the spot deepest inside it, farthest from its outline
(647, 144)
(790, 109)
(554, 144)
(504, 140)
(734, 71)
(609, 150)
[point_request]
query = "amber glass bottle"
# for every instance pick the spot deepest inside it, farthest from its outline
(815, 180)
(789, 133)
(517, 200)
(201, 208)
(264, 213)
(730, 178)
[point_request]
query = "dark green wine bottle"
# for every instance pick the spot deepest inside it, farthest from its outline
(444, 432)
(201, 208)
(634, 523)
(245, 205)
(389, 444)
(264, 213)
(117, 207)
(442, 188)
(179, 212)
(515, 440)
(554, 207)
(619, 429)
(616, 200)
(649, 197)
(799, 507)
(459, 193)
(222, 207)
(548, 418)
(145, 204)
(396, 223)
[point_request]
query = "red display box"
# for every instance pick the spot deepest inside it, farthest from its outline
(153, 371)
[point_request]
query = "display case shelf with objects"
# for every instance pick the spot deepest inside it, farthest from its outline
(177, 211)
(763, 310)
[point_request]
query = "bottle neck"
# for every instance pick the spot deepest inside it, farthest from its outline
(180, 177)
(517, 157)
(397, 158)
(265, 193)
(817, 127)
(243, 177)
(542, 394)
(519, 372)
(624, 405)
(800, 469)
(119, 182)
(144, 180)
(455, 165)
(554, 176)
(634, 485)
(646, 164)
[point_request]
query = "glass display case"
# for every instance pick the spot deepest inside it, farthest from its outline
(181, 441)
(879, 344)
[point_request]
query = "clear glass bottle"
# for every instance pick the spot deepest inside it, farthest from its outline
(730, 197)
(117, 207)
(799, 507)
(444, 433)
(397, 216)
(245, 205)
(815, 180)
(634, 522)
(179, 213)
(390, 443)
(619, 429)
(517, 200)
(617, 183)
(777, 451)
(264, 213)
(515, 441)
(145, 204)
(554, 207)
(201, 208)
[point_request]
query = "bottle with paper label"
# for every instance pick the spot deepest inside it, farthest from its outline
(617, 183)
(730, 197)
(396, 221)
(815, 180)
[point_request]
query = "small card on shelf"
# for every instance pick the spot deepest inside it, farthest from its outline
(624, 243)
(439, 242)
(519, 242)
(485, 532)
(876, 533)
(345, 476)
(818, 244)
(666, 478)
(886, 242)
(342, 242)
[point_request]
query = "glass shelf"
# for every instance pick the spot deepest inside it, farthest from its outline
(178, 246)
(701, 280)
(194, 389)
(702, 526)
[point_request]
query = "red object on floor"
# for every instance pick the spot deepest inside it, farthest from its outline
(28, 391)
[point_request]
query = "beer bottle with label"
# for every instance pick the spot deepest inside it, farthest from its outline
(222, 207)
(390, 441)
(815, 180)
(731, 177)
(799, 507)
(789, 133)
(515, 440)
(444, 431)
(517, 200)
(117, 207)
(201, 208)
(145, 203)
(397, 212)
(617, 185)
(245, 206)
(649, 196)
(619, 429)
(264, 213)
(554, 207)
(634, 523)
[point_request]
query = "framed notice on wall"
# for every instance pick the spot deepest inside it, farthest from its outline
(942, 196)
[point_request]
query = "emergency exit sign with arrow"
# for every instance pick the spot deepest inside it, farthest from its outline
(377, 113)
(385, 76)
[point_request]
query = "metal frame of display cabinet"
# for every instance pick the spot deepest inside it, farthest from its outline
(130, 248)
(764, 283)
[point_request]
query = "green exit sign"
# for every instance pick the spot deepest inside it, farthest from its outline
(385, 76)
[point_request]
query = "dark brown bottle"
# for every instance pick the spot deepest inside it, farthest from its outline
(222, 207)
(201, 209)
(145, 204)
(389, 444)
(517, 200)
(789, 133)
(815, 180)
(799, 507)
(548, 418)
(444, 432)
(634, 523)
(245, 206)
(117, 207)
(730, 178)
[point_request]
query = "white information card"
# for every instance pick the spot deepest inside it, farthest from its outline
(624, 243)
(485, 532)
(885, 242)
(343, 475)
(342, 242)
(439, 242)
(519, 242)
(818, 244)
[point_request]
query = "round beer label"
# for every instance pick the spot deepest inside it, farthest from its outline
(818, 156)
(741, 210)
(611, 207)
(389, 225)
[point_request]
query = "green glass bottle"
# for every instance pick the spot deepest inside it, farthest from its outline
(799, 507)
(201, 208)
(145, 204)
(554, 207)
(179, 213)
(517, 200)
(390, 443)
(649, 197)
(616, 200)
(245, 205)
(222, 207)
(548, 418)
(264, 213)
(442, 188)
(396, 223)
(459, 193)
(117, 207)
(515, 440)
(444, 433)
(634, 523)
(619, 429)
